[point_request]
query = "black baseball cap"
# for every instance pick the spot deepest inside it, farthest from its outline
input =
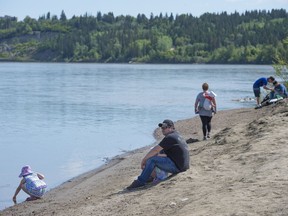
(166, 123)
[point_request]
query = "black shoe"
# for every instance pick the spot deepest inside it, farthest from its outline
(191, 140)
(151, 179)
(135, 184)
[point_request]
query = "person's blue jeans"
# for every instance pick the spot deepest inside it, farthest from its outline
(163, 163)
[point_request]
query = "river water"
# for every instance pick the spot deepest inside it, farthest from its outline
(66, 119)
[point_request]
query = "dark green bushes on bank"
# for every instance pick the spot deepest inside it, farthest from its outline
(254, 37)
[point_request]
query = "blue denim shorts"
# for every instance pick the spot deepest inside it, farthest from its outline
(256, 92)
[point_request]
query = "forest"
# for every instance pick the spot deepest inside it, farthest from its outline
(253, 37)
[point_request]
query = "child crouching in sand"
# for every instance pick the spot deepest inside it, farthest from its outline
(32, 183)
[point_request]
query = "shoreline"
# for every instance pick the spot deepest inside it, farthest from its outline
(157, 135)
(100, 191)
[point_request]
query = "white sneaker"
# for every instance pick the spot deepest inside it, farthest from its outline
(258, 106)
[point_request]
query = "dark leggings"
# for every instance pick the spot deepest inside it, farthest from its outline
(206, 124)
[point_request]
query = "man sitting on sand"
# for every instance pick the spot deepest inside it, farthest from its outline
(279, 90)
(175, 159)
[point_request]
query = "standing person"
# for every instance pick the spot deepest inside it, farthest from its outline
(205, 105)
(170, 155)
(32, 183)
(261, 82)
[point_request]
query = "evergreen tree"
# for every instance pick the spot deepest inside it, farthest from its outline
(63, 17)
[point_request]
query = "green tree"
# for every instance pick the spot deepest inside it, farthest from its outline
(63, 17)
(281, 65)
(80, 52)
(164, 43)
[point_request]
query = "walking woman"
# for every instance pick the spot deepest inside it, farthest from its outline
(205, 105)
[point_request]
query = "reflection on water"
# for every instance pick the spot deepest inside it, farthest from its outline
(66, 119)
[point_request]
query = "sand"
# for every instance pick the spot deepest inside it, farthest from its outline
(241, 170)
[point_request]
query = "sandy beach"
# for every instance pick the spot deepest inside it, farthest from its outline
(241, 170)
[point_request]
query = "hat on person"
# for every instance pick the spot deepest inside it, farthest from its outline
(26, 170)
(166, 123)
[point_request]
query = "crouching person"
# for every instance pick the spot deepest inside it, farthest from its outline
(174, 160)
(32, 183)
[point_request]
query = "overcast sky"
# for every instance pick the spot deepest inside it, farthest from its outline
(36, 8)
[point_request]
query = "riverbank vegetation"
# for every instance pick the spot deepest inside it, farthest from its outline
(253, 37)
(281, 65)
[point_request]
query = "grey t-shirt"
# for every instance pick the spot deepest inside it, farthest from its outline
(203, 112)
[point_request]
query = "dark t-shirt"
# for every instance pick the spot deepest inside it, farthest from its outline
(175, 147)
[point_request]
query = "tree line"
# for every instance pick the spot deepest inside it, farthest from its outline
(253, 37)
